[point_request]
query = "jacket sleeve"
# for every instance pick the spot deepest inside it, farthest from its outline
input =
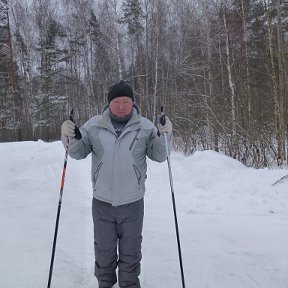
(79, 149)
(156, 146)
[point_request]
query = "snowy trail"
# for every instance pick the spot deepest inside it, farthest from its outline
(232, 222)
(221, 251)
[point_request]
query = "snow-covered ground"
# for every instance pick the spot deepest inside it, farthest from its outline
(233, 223)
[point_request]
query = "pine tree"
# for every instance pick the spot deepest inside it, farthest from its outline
(133, 17)
(47, 103)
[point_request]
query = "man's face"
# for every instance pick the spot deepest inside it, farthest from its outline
(121, 106)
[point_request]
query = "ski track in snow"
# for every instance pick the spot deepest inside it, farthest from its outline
(232, 222)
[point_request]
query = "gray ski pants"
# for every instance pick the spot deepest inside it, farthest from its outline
(117, 229)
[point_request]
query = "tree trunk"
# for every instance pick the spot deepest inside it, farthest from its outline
(12, 76)
(281, 77)
(248, 80)
(277, 112)
(231, 86)
(208, 98)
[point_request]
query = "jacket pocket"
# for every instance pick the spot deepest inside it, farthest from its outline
(137, 173)
(97, 173)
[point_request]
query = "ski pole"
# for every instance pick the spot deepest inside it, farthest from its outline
(162, 121)
(59, 207)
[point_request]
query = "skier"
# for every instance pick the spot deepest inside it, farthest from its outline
(119, 140)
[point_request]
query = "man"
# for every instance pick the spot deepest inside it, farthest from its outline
(119, 140)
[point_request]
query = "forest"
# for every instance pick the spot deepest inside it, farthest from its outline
(218, 67)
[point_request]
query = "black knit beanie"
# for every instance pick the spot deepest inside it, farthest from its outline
(120, 89)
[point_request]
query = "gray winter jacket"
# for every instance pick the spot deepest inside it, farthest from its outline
(119, 164)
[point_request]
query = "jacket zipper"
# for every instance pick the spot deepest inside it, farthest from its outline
(138, 174)
(134, 139)
(97, 173)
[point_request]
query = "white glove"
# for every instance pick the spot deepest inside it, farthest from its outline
(68, 129)
(167, 127)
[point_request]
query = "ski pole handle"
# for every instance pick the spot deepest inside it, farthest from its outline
(71, 116)
(162, 119)
(162, 110)
(78, 135)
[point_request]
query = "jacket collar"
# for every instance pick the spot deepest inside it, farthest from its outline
(105, 121)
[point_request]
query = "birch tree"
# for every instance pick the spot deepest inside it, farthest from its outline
(24, 54)
(231, 83)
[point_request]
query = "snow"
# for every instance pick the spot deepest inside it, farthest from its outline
(232, 221)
